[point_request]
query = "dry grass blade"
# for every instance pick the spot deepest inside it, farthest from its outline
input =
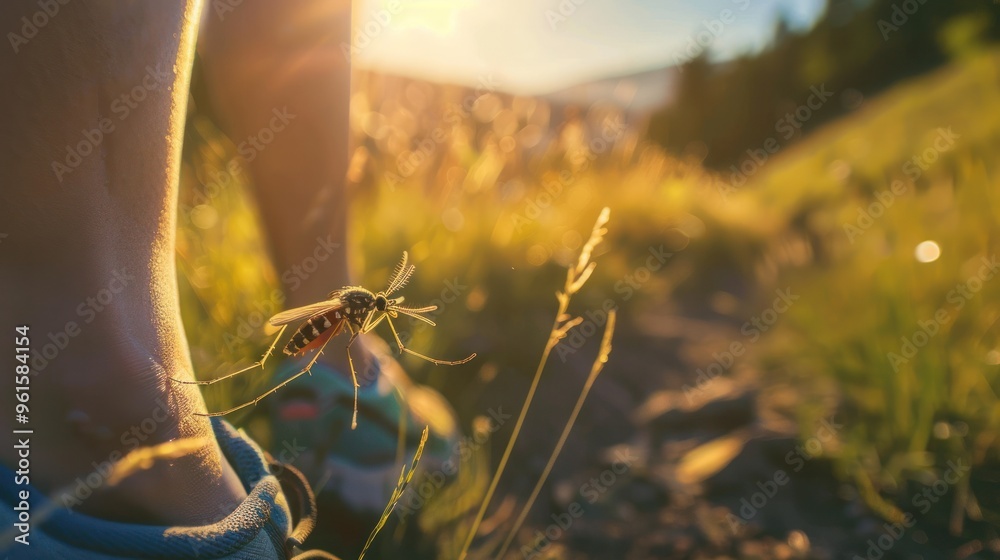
(562, 331)
(582, 270)
(595, 370)
(582, 279)
(145, 457)
(596, 236)
(404, 480)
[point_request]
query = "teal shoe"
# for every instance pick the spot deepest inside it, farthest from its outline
(310, 422)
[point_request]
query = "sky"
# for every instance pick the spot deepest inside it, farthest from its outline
(537, 46)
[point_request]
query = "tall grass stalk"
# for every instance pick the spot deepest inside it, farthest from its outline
(576, 277)
(405, 476)
(595, 370)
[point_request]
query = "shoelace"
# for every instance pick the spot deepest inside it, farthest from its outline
(302, 503)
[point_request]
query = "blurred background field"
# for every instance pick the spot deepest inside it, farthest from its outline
(493, 195)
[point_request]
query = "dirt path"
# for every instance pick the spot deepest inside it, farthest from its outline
(659, 466)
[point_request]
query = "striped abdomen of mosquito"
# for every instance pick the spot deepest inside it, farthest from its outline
(311, 330)
(356, 303)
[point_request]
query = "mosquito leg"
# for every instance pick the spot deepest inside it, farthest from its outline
(273, 389)
(419, 355)
(365, 327)
(372, 324)
(354, 375)
(369, 325)
(248, 368)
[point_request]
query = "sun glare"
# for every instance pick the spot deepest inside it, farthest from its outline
(436, 16)
(927, 251)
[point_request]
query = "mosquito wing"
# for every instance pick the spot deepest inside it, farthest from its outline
(305, 312)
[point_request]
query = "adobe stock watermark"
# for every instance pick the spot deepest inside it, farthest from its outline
(287, 453)
(409, 161)
(87, 311)
(292, 278)
(416, 496)
(298, 273)
(248, 149)
(752, 329)
(913, 168)
(371, 29)
(929, 328)
(562, 12)
(922, 502)
(130, 440)
(612, 131)
(901, 13)
(30, 26)
(594, 319)
(220, 180)
(786, 126)
(224, 7)
(255, 143)
(698, 43)
(795, 459)
(453, 289)
(590, 492)
(122, 106)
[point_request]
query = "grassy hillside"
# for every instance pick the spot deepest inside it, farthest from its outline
(911, 345)
(479, 188)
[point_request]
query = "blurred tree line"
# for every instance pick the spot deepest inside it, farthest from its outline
(857, 48)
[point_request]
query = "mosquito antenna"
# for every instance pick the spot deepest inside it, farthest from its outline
(425, 309)
(398, 271)
(400, 280)
(414, 313)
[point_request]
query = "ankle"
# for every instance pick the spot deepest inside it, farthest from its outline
(108, 392)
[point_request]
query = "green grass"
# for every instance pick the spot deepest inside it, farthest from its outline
(859, 298)
(460, 216)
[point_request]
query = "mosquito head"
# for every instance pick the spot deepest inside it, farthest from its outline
(381, 302)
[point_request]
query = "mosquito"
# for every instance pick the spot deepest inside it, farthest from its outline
(353, 308)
